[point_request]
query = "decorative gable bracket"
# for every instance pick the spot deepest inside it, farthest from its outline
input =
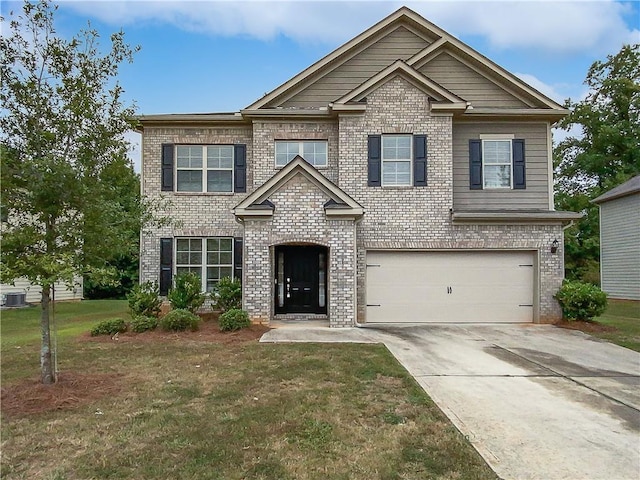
(257, 204)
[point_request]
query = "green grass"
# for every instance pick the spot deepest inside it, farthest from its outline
(196, 410)
(22, 325)
(624, 315)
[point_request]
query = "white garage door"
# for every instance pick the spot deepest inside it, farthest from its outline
(431, 287)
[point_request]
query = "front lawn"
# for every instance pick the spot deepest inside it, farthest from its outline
(624, 316)
(181, 407)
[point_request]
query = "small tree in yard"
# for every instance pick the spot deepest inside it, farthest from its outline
(62, 122)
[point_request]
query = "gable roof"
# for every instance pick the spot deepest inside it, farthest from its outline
(627, 188)
(400, 68)
(257, 204)
(442, 41)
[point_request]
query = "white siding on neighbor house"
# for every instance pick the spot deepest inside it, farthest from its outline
(33, 292)
(620, 247)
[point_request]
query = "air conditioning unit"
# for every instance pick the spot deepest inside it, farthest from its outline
(15, 300)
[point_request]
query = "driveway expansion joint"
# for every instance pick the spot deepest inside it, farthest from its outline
(581, 384)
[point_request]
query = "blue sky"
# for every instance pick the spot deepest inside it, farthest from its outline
(220, 56)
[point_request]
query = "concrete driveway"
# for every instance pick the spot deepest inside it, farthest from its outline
(537, 402)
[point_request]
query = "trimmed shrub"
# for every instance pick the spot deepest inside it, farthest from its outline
(180, 320)
(143, 323)
(186, 293)
(581, 301)
(109, 327)
(228, 294)
(234, 319)
(144, 300)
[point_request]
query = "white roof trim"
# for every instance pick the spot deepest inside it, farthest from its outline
(401, 13)
(432, 51)
(299, 166)
(400, 68)
(444, 40)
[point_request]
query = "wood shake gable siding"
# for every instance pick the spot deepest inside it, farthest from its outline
(619, 240)
(465, 82)
(536, 194)
(399, 44)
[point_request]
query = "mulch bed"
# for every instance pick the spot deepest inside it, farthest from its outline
(586, 327)
(70, 391)
(75, 389)
(209, 332)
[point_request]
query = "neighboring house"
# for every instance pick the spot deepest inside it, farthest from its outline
(620, 240)
(33, 293)
(22, 291)
(402, 178)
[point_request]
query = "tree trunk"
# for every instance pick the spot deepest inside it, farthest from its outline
(48, 373)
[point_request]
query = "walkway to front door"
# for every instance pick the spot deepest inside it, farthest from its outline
(301, 286)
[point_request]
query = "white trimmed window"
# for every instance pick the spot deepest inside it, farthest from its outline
(497, 163)
(314, 152)
(396, 160)
(204, 168)
(209, 258)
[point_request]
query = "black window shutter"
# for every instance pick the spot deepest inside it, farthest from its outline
(240, 168)
(419, 160)
(519, 170)
(374, 166)
(166, 264)
(167, 167)
(237, 258)
(475, 164)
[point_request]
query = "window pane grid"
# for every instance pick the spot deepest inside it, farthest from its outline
(209, 258)
(496, 159)
(313, 152)
(396, 160)
(195, 175)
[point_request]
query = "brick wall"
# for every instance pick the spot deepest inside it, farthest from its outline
(299, 219)
(410, 218)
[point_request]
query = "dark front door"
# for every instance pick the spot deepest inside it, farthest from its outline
(301, 285)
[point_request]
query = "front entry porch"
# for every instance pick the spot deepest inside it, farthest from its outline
(300, 279)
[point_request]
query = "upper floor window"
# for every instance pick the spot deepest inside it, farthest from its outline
(496, 159)
(314, 152)
(497, 162)
(204, 168)
(396, 160)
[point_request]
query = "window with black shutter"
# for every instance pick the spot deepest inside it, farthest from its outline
(497, 163)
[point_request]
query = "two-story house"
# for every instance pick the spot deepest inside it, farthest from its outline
(402, 178)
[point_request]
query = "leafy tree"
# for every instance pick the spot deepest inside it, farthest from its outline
(605, 154)
(62, 122)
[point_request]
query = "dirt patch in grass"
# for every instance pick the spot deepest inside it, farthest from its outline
(209, 332)
(70, 391)
(586, 327)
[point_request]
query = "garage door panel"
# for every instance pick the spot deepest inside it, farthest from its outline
(424, 287)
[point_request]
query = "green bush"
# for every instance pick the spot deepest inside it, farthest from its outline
(228, 294)
(581, 301)
(180, 320)
(234, 319)
(144, 300)
(186, 293)
(109, 327)
(143, 323)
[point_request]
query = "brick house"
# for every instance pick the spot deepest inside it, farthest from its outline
(402, 178)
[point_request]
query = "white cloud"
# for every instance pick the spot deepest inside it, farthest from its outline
(556, 26)
(549, 90)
